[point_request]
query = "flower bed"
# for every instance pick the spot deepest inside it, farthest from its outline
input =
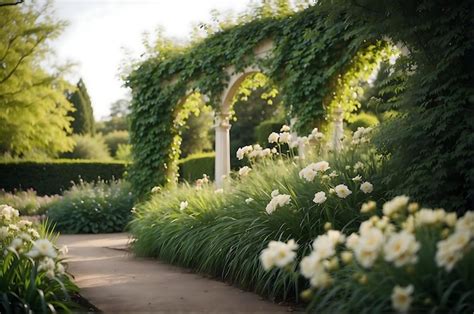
(32, 273)
(286, 201)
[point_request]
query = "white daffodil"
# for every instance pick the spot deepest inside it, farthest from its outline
(366, 187)
(319, 197)
(278, 254)
(342, 191)
(244, 171)
(402, 298)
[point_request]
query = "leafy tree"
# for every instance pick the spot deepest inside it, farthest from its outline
(34, 110)
(83, 116)
(120, 108)
(197, 132)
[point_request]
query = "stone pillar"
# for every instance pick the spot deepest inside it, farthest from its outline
(222, 149)
(338, 132)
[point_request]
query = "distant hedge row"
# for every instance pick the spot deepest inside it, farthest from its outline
(194, 166)
(52, 177)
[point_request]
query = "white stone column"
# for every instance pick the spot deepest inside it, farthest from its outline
(338, 132)
(222, 149)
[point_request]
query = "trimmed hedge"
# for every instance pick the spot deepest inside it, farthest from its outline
(194, 166)
(265, 128)
(363, 120)
(55, 176)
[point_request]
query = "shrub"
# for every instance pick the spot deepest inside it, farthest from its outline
(88, 147)
(55, 176)
(32, 276)
(114, 139)
(27, 202)
(194, 166)
(124, 152)
(223, 233)
(99, 207)
(364, 120)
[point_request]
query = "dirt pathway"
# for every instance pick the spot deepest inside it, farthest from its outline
(115, 281)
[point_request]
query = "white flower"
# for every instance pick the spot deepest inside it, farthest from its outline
(285, 128)
(320, 197)
(310, 171)
(357, 166)
(64, 250)
(352, 241)
(395, 205)
(357, 178)
(24, 223)
(368, 246)
(46, 264)
(401, 298)
(366, 187)
(60, 269)
(50, 274)
(315, 135)
(274, 193)
(156, 189)
(273, 137)
(249, 200)
(265, 152)
(42, 247)
(466, 222)
(8, 212)
(34, 233)
(285, 137)
(241, 152)
(450, 250)
(278, 200)
(302, 140)
(16, 244)
(333, 174)
(244, 171)
(426, 216)
(278, 254)
(401, 249)
(308, 174)
(368, 207)
(342, 191)
(183, 205)
(321, 166)
(313, 268)
(3, 232)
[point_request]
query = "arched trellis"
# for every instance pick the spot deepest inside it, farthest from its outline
(259, 46)
(310, 50)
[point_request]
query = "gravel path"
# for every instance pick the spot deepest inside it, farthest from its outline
(115, 281)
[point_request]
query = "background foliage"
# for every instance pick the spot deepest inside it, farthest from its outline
(83, 115)
(34, 111)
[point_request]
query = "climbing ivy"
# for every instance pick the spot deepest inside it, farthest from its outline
(318, 55)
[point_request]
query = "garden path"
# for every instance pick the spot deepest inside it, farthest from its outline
(114, 280)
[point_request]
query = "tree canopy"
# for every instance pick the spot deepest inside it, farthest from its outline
(83, 115)
(34, 109)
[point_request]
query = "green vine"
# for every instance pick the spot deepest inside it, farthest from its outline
(320, 55)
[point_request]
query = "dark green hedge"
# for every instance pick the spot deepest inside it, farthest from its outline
(194, 166)
(52, 177)
(263, 130)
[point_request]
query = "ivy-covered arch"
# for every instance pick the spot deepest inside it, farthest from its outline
(306, 56)
(315, 51)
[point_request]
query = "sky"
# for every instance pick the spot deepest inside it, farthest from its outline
(100, 29)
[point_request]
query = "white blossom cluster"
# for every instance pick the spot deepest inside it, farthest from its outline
(19, 237)
(253, 152)
(361, 136)
(388, 241)
(278, 200)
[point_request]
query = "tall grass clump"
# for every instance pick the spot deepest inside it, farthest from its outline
(32, 272)
(97, 207)
(222, 232)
